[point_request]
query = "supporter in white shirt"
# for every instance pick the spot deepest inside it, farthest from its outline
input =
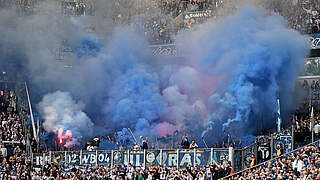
(130, 171)
(201, 177)
(149, 176)
(163, 175)
(317, 128)
(3, 150)
(136, 146)
(90, 148)
(193, 144)
(4, 122)
(297, 164)
(311, 11)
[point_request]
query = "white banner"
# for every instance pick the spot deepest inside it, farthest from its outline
(198, 14)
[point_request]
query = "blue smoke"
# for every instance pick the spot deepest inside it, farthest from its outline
(135, 101)
(88, 47)
(258, 58)
(255, 56)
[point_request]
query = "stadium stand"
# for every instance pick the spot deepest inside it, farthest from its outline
(301, 15)
(213, 171)
(15, 160)
(303, 163)
(161, 20)
(16, 143)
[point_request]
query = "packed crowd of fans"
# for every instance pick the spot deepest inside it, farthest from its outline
(311, 69)
(212, 171)
(174, 8)
(305, 113)
(14, 162)
(161, 20)
(301, 164)
(76, 9)
(160, 28)
(302, 15)
(22, 7)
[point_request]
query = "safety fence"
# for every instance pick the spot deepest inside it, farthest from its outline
(273, 160)
(171, 158)
(239, 158)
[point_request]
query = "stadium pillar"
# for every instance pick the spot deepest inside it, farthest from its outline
(242, 158)
(177, 158)
(160, 162)
(65, 156)
(292, 131)
(43, 161)
(96, 157)
(50, 155)
(231, 156)
(128, 154)
(194, 156)
(144, 158)
(271, 145)
(211, 155)
(112, 158)
(80, 157)
(312, 125)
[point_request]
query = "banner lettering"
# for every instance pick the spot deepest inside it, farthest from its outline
(315, 41)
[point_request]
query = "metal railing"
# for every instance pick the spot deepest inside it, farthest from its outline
(239, 158)
(271, 160)
(171, 158)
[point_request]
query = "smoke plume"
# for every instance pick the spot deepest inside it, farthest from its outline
(233, 71)
(65, 117)
(257, 57)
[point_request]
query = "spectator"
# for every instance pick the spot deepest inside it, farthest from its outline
(90, 147)
(129, 172)
(14, 162)
(185, 143)
(144, 143)
(302, 164)
(297, 165)
(3, 150)
(317, 129)
(136, 146)
(96, 142)
(252, 161)
(193, 144)
(279, 150)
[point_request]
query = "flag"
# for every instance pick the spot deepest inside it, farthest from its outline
(311, 120)
(278, 117)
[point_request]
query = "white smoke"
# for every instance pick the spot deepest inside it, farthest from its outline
(65, 117)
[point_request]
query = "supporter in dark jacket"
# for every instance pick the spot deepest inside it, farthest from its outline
(96, 141)
(144, 143)
(185, 144)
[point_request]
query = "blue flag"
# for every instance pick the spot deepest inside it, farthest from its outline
(278, 117)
